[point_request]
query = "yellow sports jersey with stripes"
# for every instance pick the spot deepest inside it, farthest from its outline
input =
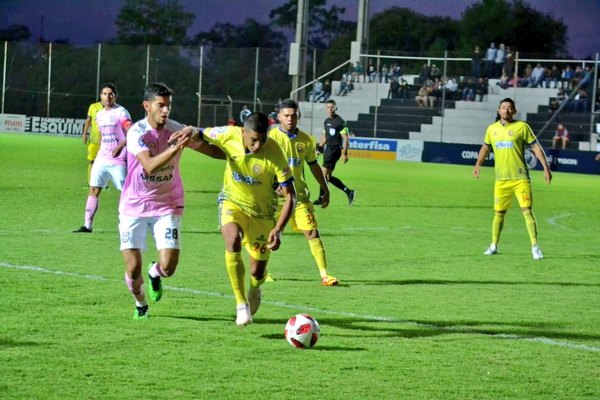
(298, 148)
(95, 135)
(508, 143)
(249, 177)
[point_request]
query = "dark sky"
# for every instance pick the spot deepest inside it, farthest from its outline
(84, 22)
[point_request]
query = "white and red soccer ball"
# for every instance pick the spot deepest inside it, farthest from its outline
(302, 331)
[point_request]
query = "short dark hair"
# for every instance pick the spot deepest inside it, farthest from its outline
(110, 86)
(157, 89)
(508, 100)
(288, 103)
(257, 122)
(331, 101)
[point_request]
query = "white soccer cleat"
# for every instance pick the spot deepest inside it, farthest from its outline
(491, 250)
(254, 297)
(536, 252)
(243, 315)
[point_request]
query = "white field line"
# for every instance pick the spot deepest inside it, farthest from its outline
(281, 304)
(552, 220)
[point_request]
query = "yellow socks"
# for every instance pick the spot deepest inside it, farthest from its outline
(497, 225)
(318, 252)
(531, 226)
(236, 271)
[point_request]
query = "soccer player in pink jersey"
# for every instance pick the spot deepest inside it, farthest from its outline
(113, 123)
(152, 196)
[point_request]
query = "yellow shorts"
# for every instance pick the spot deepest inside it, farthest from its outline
(92, 151)
(255, 230)
(504, 190)
(303, 218)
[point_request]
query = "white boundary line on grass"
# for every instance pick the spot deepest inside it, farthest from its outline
(535, 339)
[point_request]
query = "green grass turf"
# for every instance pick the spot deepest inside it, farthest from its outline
(420, 313)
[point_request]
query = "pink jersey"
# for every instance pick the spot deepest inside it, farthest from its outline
(110, 124)
(160, 193)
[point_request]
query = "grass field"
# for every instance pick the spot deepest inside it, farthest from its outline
(420, 313)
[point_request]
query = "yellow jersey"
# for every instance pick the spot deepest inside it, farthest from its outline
(508, 143)
(298, 148)
(94, 133)
(249, 178)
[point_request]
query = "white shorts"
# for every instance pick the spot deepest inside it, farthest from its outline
(102, 172)
(166, 231)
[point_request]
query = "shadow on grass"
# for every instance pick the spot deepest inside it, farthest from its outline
(6, 342)
(404, 282)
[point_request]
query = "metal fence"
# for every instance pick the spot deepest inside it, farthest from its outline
(211, 84)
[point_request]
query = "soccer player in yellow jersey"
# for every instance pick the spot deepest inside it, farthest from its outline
(246, 204)
(299, 148)
(91, 135)
(508, 138)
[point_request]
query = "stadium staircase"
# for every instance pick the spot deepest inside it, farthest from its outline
(578, 125)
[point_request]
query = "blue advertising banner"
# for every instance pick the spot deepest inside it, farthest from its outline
(581, 162)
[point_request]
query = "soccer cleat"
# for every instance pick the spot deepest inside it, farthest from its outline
(83, 229)
(318, 202)
(243, 317)
(329, 280)
(141, 312)
(491, 250)
(155, 287)
(536, 252)
(351, 195)
(254, 296)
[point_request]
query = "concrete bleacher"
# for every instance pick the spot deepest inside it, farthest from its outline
(467, 122)
(462, 121)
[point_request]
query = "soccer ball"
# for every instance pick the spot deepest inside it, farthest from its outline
(302, 331)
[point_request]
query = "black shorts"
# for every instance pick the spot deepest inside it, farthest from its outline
(331, 157)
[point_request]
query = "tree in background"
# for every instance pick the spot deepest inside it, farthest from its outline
(516, 24)
(324, 25)
(15, 33)
(153, 22)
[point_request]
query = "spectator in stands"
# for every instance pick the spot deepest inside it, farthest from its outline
(527, 75)
(424, 97)
(371, 71)
(245, 113)
(326, 92)
(396, 71)
(481, 88)
(577, 76)
(587, 77)
(581, 101)
(561, 97)
(509, 64)
(348, 73)
(393, 93)
(358, 72)
(553, 77)
(490, 58)
(384, 75)
(317, 91)
(560, 136)
(345, 87)
(476, 63)
(566, 77)
(451, 89)
(436, 73)
(403, 90)
(537, 76)
(468, 91)
(504, 81)
(499, 60)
